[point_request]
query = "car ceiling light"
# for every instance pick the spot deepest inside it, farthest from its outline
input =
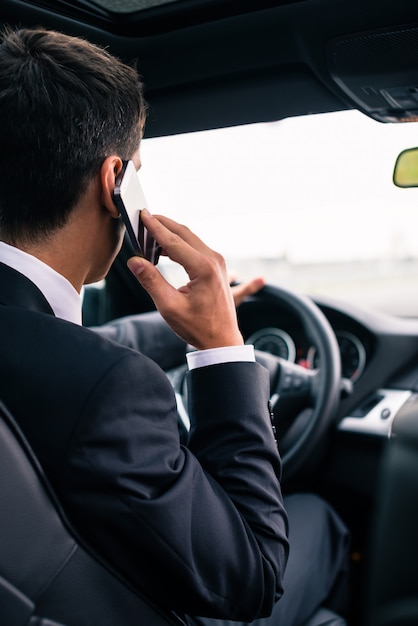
(377, 72)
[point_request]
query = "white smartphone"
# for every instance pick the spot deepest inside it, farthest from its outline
(130, 200)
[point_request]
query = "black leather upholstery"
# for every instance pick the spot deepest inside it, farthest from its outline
(48, 577)
(17, 609)
(393, 585)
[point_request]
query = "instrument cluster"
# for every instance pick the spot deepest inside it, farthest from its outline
(280, 343)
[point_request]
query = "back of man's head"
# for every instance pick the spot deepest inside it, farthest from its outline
(65, 105)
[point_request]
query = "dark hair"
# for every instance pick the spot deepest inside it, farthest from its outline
(65, 105)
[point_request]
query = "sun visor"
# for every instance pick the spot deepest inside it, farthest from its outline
(378, 72)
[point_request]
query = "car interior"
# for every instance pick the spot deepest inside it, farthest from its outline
(343, 374)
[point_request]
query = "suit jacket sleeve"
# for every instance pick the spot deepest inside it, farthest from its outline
(201, 529)
(149, 334)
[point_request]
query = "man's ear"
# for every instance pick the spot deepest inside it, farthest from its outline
(109, 170)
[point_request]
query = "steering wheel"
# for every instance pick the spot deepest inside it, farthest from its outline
(304, 402)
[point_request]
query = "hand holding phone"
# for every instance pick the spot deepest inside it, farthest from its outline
(201, 312)
(130, 200)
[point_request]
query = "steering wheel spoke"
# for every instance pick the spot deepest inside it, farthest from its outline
(295, 382)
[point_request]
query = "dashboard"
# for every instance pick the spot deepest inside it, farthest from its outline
(379, 356)
(280, 332)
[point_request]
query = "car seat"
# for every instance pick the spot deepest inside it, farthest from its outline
(393, 577)
(48, 577)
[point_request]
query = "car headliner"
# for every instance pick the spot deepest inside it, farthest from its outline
(208, 64)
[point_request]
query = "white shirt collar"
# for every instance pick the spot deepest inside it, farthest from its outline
(64, 300)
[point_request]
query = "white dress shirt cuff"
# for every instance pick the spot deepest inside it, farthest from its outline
(214, 356)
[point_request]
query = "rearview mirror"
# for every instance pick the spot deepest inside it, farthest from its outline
(405, 173)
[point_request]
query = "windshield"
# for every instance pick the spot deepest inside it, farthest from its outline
(307, 203)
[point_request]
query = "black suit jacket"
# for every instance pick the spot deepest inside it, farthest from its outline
(201, 529)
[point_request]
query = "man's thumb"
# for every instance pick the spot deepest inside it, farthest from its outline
(136, 265)
(150, 278)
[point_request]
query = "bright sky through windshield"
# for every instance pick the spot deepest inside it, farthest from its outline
(306, 202)
(311, 189)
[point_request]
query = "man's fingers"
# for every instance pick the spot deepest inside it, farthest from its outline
(170, 233)
(202, 312)
(181, 245)
(242, 291)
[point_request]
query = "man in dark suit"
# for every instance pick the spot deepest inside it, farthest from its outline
(201, 529)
